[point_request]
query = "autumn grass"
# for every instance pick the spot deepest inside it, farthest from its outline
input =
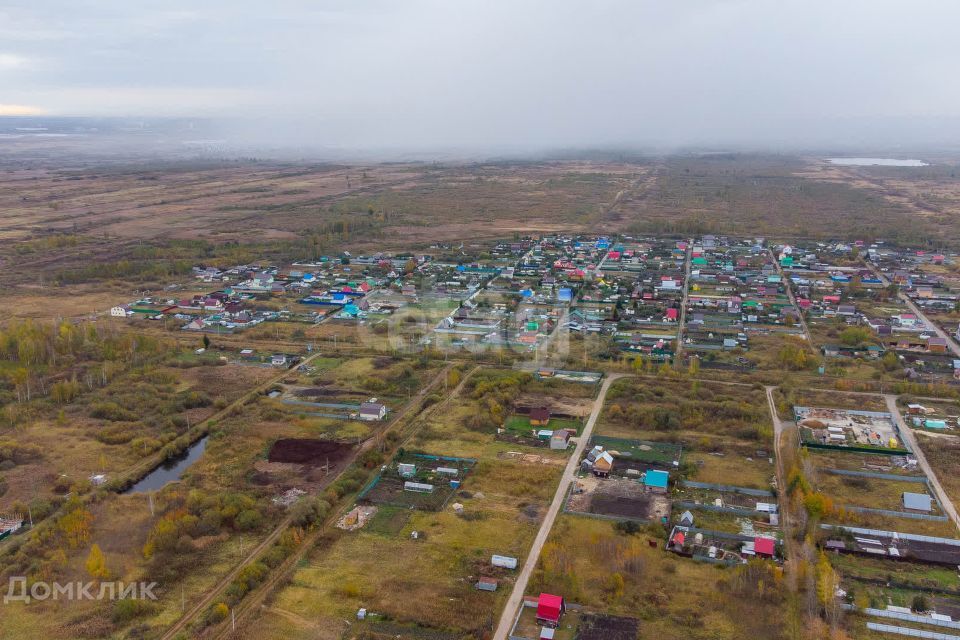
(672, 596)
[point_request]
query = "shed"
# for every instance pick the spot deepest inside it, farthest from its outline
(372, 411)
(917, 502)
(547, 633)
(764, 547)
(487, 584)
(407, 470)
(549, 609)
(505, 562)
(559, 439)
(656, 479)
(686, 519)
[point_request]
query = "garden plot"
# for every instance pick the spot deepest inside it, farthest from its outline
(821, 426)
(633, 457)
(418, 481)
(616, 498)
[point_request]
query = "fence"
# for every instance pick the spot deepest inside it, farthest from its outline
(912, 633)
(896, 514)
(877, 475)
(890, 534)
(740, 511)
(729, 488)
(910, 617)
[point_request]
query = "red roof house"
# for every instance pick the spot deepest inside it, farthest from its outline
(549, 609)
(764, 547)
(672, 314)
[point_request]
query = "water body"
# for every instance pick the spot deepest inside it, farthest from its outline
(878, 162)
(171, 470)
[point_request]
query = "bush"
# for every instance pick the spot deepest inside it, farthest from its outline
(111, 411)
(127, 609)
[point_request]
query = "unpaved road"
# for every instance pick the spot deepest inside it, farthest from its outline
(911, 439)
(569, 473)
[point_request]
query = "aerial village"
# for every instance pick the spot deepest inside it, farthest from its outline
(617, 396)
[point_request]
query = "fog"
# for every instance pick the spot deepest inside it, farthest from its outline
(434, 75)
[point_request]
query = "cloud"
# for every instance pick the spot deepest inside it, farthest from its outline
(9, 61)
(499, 72)
(20, 110)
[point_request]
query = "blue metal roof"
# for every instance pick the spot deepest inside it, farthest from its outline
(656, 478)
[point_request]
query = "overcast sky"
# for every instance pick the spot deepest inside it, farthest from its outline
(449, 73)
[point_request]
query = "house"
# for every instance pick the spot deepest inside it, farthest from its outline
(278, 360)
(917, 502)
(764, 547)
(603, 465)
(120, 311)
(372, 411)
(539, 416)
(686, 519)
(656, 480)
(936, 344)
(549, 609)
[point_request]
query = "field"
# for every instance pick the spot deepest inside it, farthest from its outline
(89, 402)
(697, 600)
(502, 498)
(722, 430)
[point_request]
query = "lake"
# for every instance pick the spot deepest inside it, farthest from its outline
(877, 162)
(171, 470)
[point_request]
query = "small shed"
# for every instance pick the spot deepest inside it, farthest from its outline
(656, 480)
(372, 411)
(559, 439)
(487, 584)
(686, 519)
(764, 547)
(407, 470)
(505, 562)
(917, 502)
(549, 609)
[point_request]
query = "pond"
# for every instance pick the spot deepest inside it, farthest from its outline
(170, 470)
(877, 162)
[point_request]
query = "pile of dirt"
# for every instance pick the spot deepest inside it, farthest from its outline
(309, 451)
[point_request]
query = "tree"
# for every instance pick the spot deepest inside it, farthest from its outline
(96, 564)
(76, 526)
(853, 336)
(206, 341)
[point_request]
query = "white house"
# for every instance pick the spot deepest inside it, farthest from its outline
(372, 411)
(120, 311)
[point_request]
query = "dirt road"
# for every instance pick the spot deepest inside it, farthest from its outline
(569, 473)
(911, 439)
(224, 582)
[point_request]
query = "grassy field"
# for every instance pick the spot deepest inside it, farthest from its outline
(672, 596)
